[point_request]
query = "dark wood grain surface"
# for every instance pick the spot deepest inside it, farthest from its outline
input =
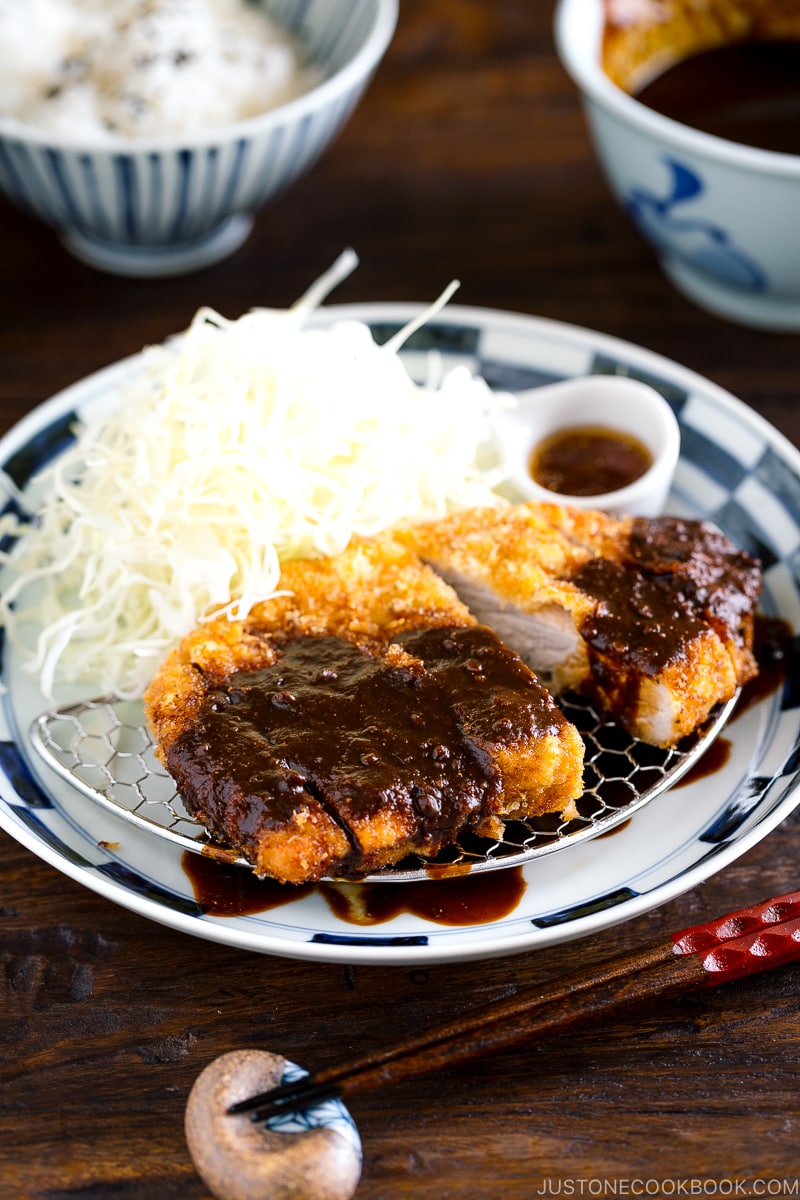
(468, 158)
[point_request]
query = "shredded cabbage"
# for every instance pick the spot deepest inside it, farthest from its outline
(239, 445)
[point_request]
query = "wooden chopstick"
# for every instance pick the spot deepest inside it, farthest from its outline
(730, 947)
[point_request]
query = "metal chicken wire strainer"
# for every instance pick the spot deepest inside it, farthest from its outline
(104, 749)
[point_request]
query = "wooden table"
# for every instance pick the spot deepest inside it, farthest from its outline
(468, 158)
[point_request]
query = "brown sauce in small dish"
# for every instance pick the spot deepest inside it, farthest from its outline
(588, 460)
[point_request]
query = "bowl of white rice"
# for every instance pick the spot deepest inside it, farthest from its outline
(147, 133)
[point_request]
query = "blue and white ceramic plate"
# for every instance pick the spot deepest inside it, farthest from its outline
(735, 469)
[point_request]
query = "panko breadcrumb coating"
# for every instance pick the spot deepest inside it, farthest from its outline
(360, 715)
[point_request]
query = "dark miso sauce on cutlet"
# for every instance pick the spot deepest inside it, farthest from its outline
(672, 579)
(702, 563)
(641, 622)
(408, 736)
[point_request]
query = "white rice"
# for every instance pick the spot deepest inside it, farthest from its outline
(104, 69)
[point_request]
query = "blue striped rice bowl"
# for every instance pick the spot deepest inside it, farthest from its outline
(155, 207)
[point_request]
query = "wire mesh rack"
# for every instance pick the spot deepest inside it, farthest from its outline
(103, 749)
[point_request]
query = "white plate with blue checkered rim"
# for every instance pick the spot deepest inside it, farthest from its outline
(735, 469)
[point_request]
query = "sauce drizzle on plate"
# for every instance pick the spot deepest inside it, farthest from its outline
(458, 899)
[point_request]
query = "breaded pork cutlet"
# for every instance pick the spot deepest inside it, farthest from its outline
(691, 559)
(512, 568)
(653, 619)
(359, 715)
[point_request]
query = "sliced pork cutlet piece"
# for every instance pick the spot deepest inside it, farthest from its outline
(512, 569)
(699, 564)
(375, 590)
(691, 558)
(358, 716)
(644, 649)
(509, 721)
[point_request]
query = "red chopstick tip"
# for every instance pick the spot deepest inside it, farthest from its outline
(770, 947)
(699, 939)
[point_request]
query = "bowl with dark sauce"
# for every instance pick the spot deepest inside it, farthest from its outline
(694, 112)
(599, 441)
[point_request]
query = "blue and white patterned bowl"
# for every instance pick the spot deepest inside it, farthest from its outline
(154, 207)
(721, 216)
